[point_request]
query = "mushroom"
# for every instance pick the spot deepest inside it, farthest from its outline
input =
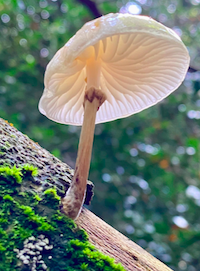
(113, 67)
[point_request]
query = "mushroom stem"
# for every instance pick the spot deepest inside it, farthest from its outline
(93, 71)
(74, 198)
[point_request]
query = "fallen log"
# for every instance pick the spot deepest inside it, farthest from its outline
(18, 151)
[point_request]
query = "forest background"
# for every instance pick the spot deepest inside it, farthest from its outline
(146, 168)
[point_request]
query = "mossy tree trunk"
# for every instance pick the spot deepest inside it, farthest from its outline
(32, 182)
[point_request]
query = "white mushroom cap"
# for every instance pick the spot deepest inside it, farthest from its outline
(134, 60)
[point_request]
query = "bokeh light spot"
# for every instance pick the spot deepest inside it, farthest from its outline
(30, 10)
(5, 18)
(23, 42)
(45, 14)
(171, 8)
(120, 170)
(190, 151)
(44, 52)
(182, 107)
(141, 162)
(64, 8)
(180, 221)
(133, 152)
(43, 3)
(130, 229)
(30, 59)
(193, 192)
(133, 8)
(106, 177)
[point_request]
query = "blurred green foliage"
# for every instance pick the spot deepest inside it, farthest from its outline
(146, 168)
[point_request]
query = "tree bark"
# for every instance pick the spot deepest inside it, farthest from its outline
(17, 149)
(114, 244)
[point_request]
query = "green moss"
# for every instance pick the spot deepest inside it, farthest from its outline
(26, 215)
(10, 175)
(37, 197)
(29, 170)
(51, 194)
(51, 198)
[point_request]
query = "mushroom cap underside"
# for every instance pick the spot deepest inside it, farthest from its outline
(141, 62)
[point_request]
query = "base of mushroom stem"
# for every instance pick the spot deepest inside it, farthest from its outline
(71, 204)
